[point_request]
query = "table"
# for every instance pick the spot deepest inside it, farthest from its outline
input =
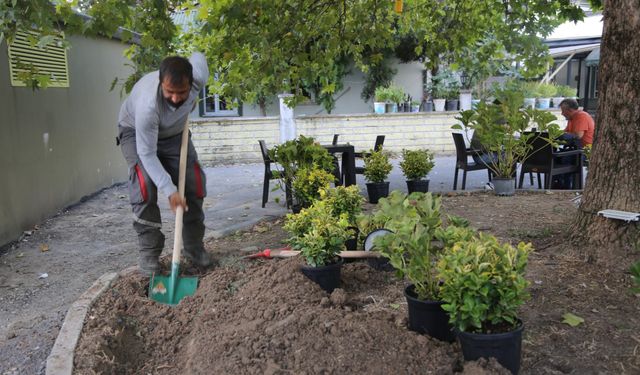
(348, 161)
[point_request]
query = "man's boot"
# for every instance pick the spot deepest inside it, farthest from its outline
(199, 258)
(148, 264)
(151, 242)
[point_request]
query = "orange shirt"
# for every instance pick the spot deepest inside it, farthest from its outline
(581, 121)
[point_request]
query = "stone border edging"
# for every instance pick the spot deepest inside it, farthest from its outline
(60, 360)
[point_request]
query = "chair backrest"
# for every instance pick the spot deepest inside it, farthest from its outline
(265, 152)
(461, 148)
(541, 151)
(335, 139)
(379, 143)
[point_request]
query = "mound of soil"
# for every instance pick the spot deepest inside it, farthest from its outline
(264, 316)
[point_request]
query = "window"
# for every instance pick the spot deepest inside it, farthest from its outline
(215, 105)
(49, 61)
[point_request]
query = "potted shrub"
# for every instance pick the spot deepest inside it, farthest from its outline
(530, 92)
(295, 154)
(501, 128)
(452, 95)
(345, 201)
(545, 92)
(438, 89)
(483, 286)
(376, 170)
(415, 165)
(320, 237)
(563, 92)
(396, 96)
(308, 183)
(380, 99)
(413, 220)
(415, 106)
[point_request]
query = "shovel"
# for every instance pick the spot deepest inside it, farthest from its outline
(286, 253)
(171, 289)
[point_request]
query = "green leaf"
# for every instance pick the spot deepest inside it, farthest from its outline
(572, 320)
(394, 306)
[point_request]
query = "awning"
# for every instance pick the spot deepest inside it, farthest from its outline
(567, 53)
(593, 59)
(572, 50)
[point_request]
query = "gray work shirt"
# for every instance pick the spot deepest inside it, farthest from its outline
(153, 118)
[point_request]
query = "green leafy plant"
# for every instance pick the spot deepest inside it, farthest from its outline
(377, 166)
(344, 200)
(635, 274)
(396, 94)
(382, 94)
(501, 128)
(317, 233)
(530, 89)
(308, 184)
(441, 84)
(566, 91)
(416, 164)
(547, 90)
(483, 283)
(292, 155)
(413, 219)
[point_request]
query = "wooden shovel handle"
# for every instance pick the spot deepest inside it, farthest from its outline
(182, 172)
(343, 254)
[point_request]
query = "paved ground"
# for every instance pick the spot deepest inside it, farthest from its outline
(43, 273)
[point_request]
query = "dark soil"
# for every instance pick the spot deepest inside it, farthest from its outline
(264, 316)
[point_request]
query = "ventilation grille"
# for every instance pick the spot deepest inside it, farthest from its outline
(50, 60)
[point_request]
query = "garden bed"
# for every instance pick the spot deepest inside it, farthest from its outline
(264, 316)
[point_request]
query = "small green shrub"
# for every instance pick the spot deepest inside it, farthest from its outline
(308, 183)
(546, 90)
(292, 155)
(483, 283)
(416, 164)
(413, 219)
(566, 91)
(382, 94)
(317, 233)
(530, 89)
(344, 200)
(377, 166)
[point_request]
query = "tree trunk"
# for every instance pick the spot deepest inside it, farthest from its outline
(614, 173)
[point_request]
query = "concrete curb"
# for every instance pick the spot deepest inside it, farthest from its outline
(60, 360)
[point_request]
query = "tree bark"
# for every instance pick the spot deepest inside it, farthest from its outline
(613, 181)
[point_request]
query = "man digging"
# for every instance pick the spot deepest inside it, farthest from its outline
(150, 128)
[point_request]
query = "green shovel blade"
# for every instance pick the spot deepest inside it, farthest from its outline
(171, 289)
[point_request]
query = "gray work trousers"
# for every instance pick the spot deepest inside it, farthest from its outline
(143, 194)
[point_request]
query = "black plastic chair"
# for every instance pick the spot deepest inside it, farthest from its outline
(462, 161)
(268, 175)
(361, 155)
(548, 162)
(335, 139)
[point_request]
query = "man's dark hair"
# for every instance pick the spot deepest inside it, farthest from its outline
(176, 69)
(569, 103)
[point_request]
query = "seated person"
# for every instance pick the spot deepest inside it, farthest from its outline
(580, 125)
(578, 133)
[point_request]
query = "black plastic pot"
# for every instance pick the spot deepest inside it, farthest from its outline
(427, 106)
(296, 208)
(505, 347)
(377, 190)
(428, 317)
(452, 105)
(328, 277)
(418, 185)
(352, 243)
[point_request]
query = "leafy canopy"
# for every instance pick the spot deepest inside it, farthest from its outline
(261, 48)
